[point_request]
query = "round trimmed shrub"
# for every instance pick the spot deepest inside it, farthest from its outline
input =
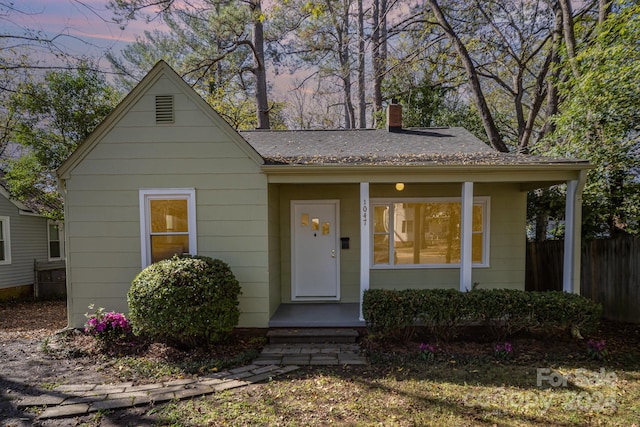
(188, 301)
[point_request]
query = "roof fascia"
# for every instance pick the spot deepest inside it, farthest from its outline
(30, 213)
(551, 173)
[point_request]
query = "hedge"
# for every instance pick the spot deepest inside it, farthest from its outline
(503, 312)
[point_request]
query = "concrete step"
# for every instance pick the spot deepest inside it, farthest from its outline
(312, 335)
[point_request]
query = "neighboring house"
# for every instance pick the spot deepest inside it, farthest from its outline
(307, 220)
(27, 239)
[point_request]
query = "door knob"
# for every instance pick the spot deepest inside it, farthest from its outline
(333, 253)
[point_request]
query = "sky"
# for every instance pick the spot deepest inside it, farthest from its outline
(84, 26)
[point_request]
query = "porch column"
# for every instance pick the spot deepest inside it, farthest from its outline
(466, 234)
(572, 235)
(365, 241)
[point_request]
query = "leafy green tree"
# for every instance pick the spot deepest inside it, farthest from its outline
(599, 120)
(421, 100)
(51, 118)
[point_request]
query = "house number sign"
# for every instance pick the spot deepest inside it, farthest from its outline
(364, 212)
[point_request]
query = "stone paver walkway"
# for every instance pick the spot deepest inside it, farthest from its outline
(311, 354)
(276, 359)
(81, 399)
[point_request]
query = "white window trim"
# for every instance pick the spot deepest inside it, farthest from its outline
(485, 201)
(147, 194)
(6, 233)
(61, 241)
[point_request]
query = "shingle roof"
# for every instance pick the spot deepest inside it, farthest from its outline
(438, 146)
(35, 202)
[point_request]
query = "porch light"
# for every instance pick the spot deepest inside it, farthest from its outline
(399, 186)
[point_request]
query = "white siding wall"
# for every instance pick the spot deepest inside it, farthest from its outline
(28, 242)
(103, 208)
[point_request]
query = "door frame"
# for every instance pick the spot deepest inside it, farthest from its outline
(336, 206)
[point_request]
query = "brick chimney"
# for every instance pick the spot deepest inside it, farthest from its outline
(394, 117)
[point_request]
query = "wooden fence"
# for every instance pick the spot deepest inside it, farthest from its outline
(610, 273)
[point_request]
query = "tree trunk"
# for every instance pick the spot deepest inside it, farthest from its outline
(383, 35)
(536, 104)
(376, 64)
(474, 82)
(553, 99)
(569, 34)
(617, 221)
(604, 7)
(362, 106)
(345, 69)
(542, 221)
(262, 105)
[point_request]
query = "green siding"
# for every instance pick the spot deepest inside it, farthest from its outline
(102, 203)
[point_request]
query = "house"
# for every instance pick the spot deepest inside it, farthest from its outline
(307, 220)
(28, 240)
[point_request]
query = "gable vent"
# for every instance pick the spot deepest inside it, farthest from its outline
(164, 109)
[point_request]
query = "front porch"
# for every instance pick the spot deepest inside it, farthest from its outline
(317, 315)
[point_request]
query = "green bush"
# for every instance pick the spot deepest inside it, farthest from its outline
(441, 311)
(502, 312)
(187, 301)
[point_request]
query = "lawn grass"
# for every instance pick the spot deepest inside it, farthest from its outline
(403, 390)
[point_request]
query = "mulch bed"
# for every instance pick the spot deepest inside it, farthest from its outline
(41, 319)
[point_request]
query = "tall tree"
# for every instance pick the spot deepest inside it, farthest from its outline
(362, 105)
(323, 41)
(219, 28)
(52, 117)
(599, 119)
(495, 139)
(378, 54)
(24, 52)
(509, 51)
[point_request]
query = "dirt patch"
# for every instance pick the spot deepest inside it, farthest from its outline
(37, 355)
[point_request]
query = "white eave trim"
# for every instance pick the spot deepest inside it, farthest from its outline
(31, 213)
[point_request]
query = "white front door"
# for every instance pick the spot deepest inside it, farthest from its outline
(315, 253)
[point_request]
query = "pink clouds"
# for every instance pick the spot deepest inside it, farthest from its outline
(88, 20)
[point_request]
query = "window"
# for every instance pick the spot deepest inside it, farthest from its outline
(167, 223)
(426, 232)
(55, 235)
(5, 241)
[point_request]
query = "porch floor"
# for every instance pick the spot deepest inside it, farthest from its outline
(313, 315)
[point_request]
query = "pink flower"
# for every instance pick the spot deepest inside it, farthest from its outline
(427, 347)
